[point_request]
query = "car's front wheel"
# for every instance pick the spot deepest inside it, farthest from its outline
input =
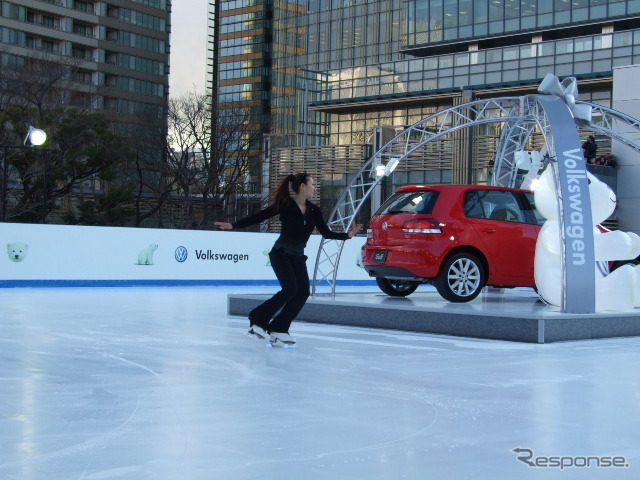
(397, 288)
(461, 278)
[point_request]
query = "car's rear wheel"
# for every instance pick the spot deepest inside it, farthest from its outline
(397, 288)
(461, 278)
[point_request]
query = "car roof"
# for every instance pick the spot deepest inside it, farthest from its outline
(457, 187)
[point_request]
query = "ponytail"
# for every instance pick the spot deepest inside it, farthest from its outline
(290, 183)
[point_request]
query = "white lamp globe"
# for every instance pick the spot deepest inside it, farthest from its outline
(37, 136)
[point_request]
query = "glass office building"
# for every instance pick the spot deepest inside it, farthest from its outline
(369, 59)
(340, 69)
(241, 44)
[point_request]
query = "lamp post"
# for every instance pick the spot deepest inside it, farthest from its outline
(36, 138)
(5, 170)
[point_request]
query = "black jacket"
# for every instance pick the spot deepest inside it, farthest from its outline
(590, 149)
(296, 228)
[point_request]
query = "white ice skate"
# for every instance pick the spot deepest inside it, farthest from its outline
(257, 333)
(282, 340)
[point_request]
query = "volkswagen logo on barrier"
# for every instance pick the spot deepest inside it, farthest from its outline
(181, 254)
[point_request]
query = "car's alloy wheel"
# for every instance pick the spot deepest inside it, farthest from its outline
(461, 278)
(397, 288)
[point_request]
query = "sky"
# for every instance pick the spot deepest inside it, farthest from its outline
(188, 47)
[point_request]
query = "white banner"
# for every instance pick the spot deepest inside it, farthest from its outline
(74, 255)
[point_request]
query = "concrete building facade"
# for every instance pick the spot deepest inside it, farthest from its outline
(119, 48)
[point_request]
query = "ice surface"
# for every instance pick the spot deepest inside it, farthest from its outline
(159, 383)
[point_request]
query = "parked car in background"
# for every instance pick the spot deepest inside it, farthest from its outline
(458, 237)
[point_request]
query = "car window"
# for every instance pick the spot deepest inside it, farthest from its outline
(409, 202)
(539, 218)
(493, 205)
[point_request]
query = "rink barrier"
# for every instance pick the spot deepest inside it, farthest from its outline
(82, 256)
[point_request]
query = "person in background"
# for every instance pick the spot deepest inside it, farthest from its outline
(590, 148)
(298, 217)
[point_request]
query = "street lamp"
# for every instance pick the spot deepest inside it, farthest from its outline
(36, 138)
(391, 166)
(379, 170)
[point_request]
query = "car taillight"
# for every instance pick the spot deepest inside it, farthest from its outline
(369, 233)
(421, 225)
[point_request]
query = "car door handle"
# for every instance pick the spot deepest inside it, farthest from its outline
(488, 230)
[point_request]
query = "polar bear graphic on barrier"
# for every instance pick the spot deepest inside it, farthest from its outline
(145, 257)
(17, 251)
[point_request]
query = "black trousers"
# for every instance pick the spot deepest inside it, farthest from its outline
(277, 313)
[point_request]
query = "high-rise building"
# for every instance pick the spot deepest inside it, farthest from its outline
(119, 49)
(241, 42)
(344, 69)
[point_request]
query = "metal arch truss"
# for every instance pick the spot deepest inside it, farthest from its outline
(515, 134)
(615, 125)
(521, 116)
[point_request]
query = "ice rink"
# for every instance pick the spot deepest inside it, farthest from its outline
(160, 383)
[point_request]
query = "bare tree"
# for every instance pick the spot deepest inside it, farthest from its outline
(189, 145)
(208, 174)
(37, 83)
(81, 148)
(149, 170)
(143, 176)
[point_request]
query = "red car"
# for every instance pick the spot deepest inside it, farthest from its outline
(458, 237)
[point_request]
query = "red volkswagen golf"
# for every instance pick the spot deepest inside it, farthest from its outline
(458, 237)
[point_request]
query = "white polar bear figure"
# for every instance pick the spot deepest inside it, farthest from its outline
(17, 251)
(615, 291)
(145, 257)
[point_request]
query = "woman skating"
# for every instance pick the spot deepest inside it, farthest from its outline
(298, 217)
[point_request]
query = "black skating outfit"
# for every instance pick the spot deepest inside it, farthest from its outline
(590, 149)
(288, 262)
